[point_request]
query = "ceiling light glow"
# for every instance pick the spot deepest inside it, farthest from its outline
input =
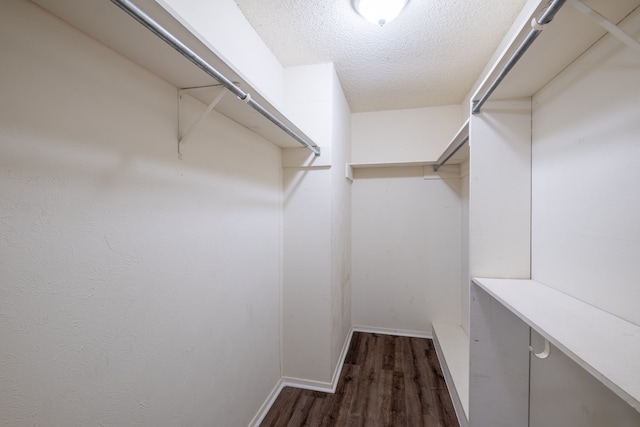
(379, 12)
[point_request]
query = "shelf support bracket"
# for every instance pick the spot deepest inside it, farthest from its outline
(609, 26)
(183, 138)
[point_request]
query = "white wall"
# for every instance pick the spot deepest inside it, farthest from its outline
(406, 240)
(316, 310)
(410, 135)
(498, 364)
(564, 394)
(341, 222)
(499, 246)
(316, 314)
(137, 289)
(466, 277)
(499, 190)
(307, 238)
(585, 210)
(586, 158)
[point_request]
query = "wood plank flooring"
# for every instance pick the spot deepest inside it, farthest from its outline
(386, 381)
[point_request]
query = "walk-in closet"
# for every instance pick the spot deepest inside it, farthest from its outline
(195, 232)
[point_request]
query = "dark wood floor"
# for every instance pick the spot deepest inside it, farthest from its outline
(386, 381)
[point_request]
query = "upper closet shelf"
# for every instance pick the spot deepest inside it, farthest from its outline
(455, 153)
(606, 346)
(107, 23)
(559, 42)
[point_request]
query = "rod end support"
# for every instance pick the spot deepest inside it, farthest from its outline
(475, 109)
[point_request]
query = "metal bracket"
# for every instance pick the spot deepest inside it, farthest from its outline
(609, 26)
(182, 137)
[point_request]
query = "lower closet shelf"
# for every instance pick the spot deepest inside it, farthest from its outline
(452, 347)
(606, 346)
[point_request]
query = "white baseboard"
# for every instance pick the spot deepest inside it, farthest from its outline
(304, 384)
(328, 387)
(343, 355)
(323, 386)
(264, 410)
(398, 332)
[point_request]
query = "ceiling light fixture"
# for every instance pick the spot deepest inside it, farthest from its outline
(379, 11)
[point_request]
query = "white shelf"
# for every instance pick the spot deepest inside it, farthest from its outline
(563, 40)
(452, 347)
(459, 157)
(108, 24)
(604, 345)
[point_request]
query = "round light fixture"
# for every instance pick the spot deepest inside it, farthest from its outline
(379, 12)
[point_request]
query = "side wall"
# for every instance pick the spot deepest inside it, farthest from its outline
(466, 277)
(586, 170)
(316, 266)
(137, 289)
(316, 309)
(500, 190)
(341, 223)
(499, 246)
(586, 205)
(306, 315)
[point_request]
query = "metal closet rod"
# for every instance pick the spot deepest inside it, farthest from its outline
(140, 16)
(548, 15)
(450, 155)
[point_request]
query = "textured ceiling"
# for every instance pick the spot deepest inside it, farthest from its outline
(430, 55)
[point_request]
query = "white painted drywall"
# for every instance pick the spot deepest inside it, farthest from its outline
(406, 242)
(316, 311)
(466, 278)
(340, 223)
(585, 210)
(564, 394)
(306, 311)
(586, 175)
(422, 253)
(500, 190)
(137, 289)
(498, 364)
(411, 135)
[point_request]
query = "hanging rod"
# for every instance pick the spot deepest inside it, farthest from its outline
(181, 48)
(450, 155)
(462, 137)
(536, 29)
